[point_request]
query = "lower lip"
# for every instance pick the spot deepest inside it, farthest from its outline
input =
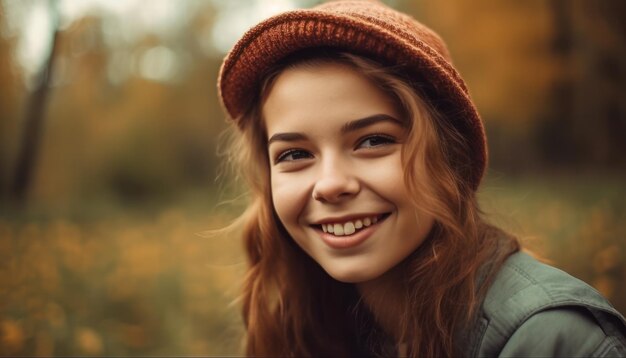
(348, 241)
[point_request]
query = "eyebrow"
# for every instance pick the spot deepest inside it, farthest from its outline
(367, 121)
(348, 127)
(286, 137)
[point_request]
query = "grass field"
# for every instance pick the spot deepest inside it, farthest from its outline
(145, 282)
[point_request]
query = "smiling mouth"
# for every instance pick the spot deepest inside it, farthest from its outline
(350, 227)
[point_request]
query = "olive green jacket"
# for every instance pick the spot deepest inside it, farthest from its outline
(535, 310)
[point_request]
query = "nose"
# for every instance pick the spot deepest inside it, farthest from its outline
(336, 182)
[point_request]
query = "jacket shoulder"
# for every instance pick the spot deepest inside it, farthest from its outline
(561, 332)
(522, 289)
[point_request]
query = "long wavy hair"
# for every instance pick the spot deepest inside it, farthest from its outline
(292, 307)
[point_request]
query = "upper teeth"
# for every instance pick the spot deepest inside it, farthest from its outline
(349, 227)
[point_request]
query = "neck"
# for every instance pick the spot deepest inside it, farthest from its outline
(385, 297)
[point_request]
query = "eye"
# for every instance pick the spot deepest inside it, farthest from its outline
(293, 155)
(376, 140)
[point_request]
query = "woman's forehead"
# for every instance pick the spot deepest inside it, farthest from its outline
(301, 96)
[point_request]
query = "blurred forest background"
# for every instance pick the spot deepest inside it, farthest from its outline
(109, 134)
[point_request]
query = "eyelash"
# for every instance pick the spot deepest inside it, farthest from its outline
(386, 140)
(281, 157)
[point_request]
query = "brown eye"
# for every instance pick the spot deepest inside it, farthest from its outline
(375, 141)
(292, 155)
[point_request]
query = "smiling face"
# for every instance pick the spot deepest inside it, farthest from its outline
(334, 144)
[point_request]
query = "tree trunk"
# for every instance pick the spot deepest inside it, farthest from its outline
(34, 118)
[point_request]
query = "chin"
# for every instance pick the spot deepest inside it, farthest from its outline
(351, 275)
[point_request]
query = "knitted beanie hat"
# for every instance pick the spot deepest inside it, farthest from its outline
(367, 28)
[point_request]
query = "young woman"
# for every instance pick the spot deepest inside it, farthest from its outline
(363, 152)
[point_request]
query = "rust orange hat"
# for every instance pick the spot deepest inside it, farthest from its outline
(367, 28)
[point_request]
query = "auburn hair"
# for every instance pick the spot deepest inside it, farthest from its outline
(292, 307)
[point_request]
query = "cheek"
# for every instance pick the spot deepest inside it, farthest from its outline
(289, 198)
(386, 177)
